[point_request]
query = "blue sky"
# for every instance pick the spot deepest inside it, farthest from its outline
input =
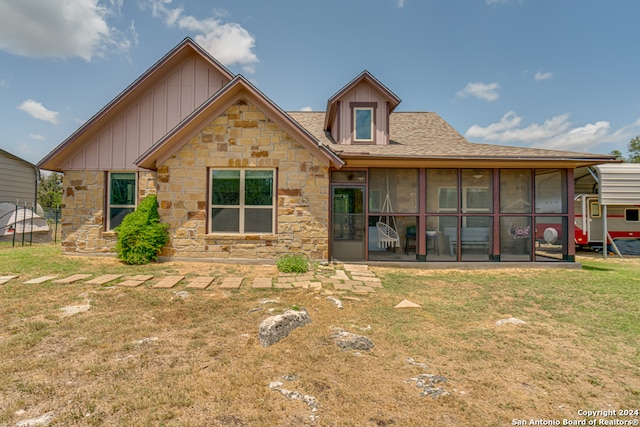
(560, 74)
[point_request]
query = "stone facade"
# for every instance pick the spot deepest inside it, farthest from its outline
(240, 138)
(243, 137)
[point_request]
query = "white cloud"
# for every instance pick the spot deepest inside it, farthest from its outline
(229, 42)
(38, 111)
(542, 76)
(486, 91)
(400, 3)
(556, 133)
(36, 136)
(59, 28)
(307, 108)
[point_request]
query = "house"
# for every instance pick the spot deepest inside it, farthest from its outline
(18, 180)
(239, 178)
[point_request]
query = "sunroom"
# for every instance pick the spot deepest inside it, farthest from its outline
(451, 214)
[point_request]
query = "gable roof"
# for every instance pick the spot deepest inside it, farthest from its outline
(424, 138)
(181, 51)
(238, 88)
(365, 76)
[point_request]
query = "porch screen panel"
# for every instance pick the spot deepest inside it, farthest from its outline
(551, 191)
(515, 191)
(442, 190)
(477, 190)
(401, 185)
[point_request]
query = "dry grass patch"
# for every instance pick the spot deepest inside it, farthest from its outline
(146, 356)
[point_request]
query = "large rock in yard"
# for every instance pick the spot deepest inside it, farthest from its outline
(275, 328)
(349, 341)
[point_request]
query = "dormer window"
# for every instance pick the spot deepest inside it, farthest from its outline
(363, 121)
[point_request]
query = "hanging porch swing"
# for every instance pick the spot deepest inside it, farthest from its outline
(387, 235)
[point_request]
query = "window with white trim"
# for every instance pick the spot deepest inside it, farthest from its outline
(363, 124)
(122, 197)
(242, 201)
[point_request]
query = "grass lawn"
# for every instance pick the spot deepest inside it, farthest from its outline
(143, 356)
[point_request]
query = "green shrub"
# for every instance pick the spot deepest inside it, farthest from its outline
(293, 263)
(141, 235)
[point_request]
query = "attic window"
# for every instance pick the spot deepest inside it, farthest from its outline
(363, 121)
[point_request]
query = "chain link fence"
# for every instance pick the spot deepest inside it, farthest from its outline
(26, 223)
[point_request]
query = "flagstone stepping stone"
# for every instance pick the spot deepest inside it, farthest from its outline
(283, 286)
(262, 282)
(135, 281)
(343, 287)
(231, 282)
(200, 282)
(356, 267)
(374, 282)
(168, 282)
(363, 290)
(405, 303)
(39, 280)
(5, 279)
(101, 280)
(71, 279)
(339, 275)
(363, 273)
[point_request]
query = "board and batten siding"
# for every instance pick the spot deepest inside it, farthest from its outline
(363, 92)
(120, 141)
(18, 180)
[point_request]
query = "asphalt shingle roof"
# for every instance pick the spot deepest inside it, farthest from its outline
(427, 135)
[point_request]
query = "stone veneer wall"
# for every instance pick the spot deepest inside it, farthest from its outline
(243, 137)
(83, 210)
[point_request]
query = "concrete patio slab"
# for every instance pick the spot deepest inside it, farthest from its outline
(200, 282)
(101, 280)
(232, 282)
(5, 279)
(39, 280)
(168, 282)
(71, 279)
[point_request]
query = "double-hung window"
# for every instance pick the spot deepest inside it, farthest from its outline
(242, 201)
(121, 198)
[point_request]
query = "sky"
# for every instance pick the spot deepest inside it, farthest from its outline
(557, 74)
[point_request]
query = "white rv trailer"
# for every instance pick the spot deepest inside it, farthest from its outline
(611, 205)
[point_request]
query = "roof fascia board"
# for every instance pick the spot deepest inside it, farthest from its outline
(466, 162)
(177, 52)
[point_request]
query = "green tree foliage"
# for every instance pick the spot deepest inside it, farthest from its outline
(141, 235)
(50, 191)
(633, 149)
(618, 154)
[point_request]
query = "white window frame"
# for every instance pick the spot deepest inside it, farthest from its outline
(371, 124)
(241, 206)
(109, 205)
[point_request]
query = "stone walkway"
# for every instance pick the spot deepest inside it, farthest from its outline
(354, 278)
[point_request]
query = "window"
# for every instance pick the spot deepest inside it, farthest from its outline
(242, 201)
(632, 215)
(122, 197)
(363, 124)
(594, 209)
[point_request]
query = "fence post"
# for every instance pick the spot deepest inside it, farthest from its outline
(55, 236)
(15, 225)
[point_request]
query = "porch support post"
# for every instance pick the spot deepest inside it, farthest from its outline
(421, 235)
(570, 256)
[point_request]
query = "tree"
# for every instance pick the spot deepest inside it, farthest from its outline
(50, 191)
(633, 148)
(618, 155)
